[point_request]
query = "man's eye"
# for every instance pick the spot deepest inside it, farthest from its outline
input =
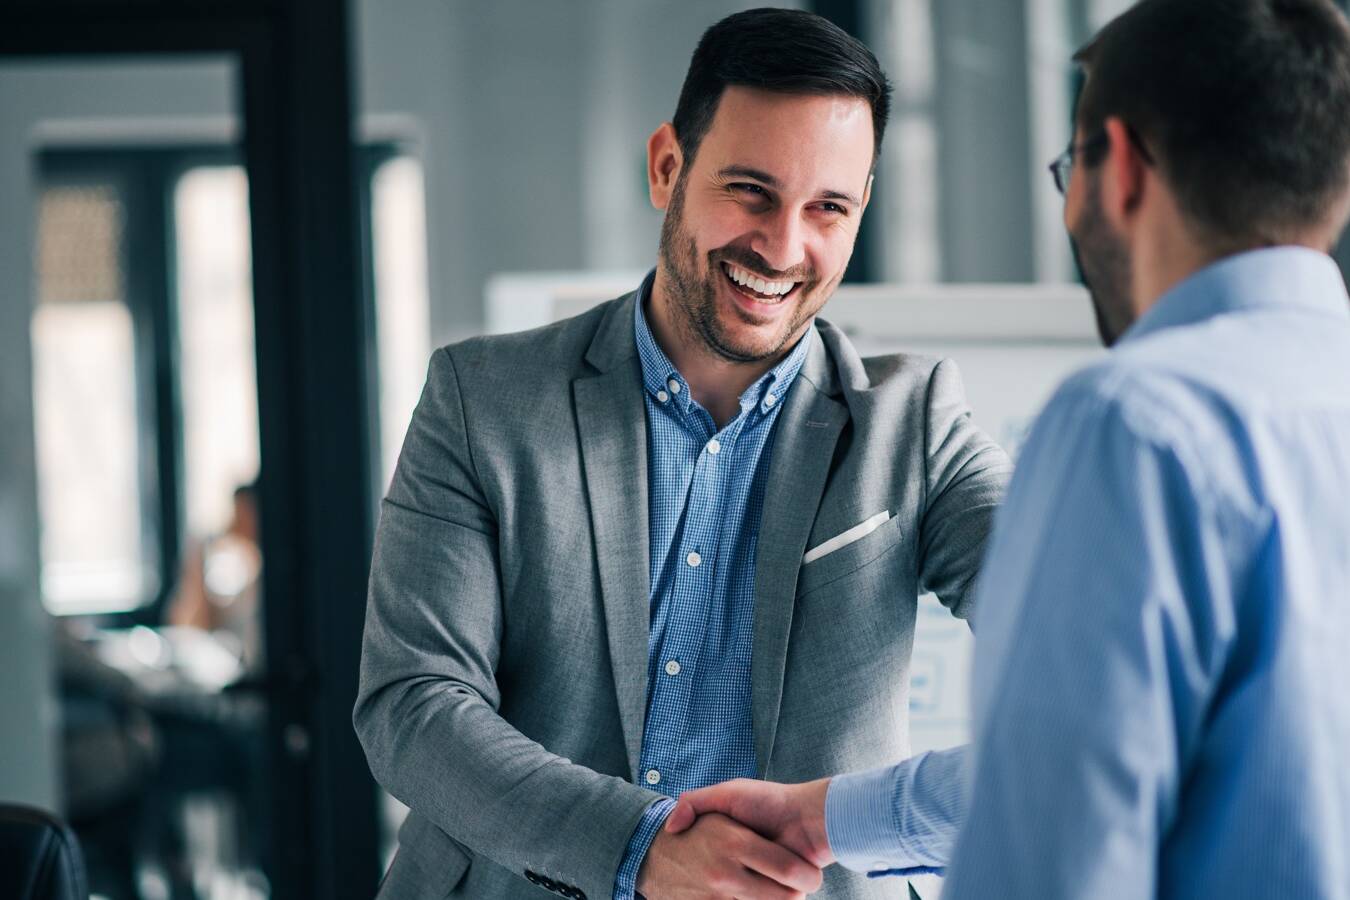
(834, 209)
(750, 189)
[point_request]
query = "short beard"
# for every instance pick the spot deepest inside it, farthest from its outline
(1104, 263)
(693, 298)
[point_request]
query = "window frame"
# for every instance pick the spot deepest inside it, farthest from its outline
(144, 177)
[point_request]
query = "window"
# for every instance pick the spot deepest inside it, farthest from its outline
(144, 357)
(402, 316)
(217, 377)
(99, 548)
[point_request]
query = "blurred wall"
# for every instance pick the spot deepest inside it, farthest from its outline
(27, 709)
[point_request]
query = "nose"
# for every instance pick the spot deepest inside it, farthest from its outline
(781, 239)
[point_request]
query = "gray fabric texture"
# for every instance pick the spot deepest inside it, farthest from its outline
(503, 677)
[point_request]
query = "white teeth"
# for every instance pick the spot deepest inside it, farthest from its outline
(759, 285)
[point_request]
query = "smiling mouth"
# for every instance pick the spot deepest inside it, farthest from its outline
(757, 288)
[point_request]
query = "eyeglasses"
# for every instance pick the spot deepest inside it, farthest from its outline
(1062, 166)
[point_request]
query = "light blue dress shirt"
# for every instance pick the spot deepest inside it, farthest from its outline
(1162, 664)
(705, 497)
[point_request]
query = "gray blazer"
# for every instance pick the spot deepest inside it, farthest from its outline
(504, 671)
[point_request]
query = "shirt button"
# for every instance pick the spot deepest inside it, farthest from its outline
(662, 396)
(693, 559)
(672, 668)
(653, 776)
(673, 385)
(714, 447)
(770, 400)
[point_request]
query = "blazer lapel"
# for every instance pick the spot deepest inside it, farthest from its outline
(613, 430)
(807, 431)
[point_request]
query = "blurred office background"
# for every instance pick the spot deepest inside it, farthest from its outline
(230, 235)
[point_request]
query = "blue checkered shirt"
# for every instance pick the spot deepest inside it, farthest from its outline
(706, 493)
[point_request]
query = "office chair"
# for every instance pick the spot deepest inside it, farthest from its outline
(40, 858)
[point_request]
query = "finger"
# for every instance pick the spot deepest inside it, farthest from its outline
(714, 798)
(681, 817)
(780, 864)
(755, 886)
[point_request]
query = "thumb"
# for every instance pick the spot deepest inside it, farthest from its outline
(681, 817)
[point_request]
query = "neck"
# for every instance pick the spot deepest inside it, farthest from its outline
(1174, 254)
(715, 382)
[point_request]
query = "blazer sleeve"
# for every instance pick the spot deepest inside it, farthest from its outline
(427, 707)
(966, 474)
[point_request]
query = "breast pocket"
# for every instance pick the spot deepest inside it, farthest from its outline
(849, 558)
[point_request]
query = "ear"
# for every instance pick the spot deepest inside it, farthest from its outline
(664, 162)
(1125, 174)
(867, 194)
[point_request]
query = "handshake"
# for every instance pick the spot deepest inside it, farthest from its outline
(753, 840)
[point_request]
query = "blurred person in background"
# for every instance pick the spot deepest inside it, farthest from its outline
(220, 583)
(155, 719)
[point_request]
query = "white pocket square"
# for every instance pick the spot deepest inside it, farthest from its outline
(857, 532)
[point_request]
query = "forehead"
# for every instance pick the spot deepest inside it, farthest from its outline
(807, 142)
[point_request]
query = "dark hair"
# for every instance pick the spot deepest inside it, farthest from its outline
(1245, 105)
(783, 50)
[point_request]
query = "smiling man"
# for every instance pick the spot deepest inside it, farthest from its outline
(678, 539)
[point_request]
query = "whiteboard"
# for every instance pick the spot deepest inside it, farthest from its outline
(1014, 343)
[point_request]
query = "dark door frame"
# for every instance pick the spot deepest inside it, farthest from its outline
(313, 389)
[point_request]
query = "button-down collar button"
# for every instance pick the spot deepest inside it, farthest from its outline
(770, 400)
(673, 667)
(673, 385)
(662, 396)
(714, 446)
(653, 777)
(693, 559)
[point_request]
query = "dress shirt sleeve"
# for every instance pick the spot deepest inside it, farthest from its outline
(1103, 625)
(625, 884)
(898, 819)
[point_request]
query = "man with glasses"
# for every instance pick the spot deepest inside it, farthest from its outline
(1161, 670)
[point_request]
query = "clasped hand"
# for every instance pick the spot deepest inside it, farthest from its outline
(751, 840)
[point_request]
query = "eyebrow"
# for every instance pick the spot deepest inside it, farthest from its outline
(766, 178)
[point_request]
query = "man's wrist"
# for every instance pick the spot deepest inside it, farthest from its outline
(625, 883)
(811, 798)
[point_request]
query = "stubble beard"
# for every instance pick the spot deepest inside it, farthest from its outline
(693, 296)
(1104, 262)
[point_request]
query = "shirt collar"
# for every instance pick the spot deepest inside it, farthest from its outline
(1270, 278)
(665, 384)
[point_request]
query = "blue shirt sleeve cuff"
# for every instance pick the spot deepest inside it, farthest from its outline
(903, 817)
(859, 822)
(625, 883)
